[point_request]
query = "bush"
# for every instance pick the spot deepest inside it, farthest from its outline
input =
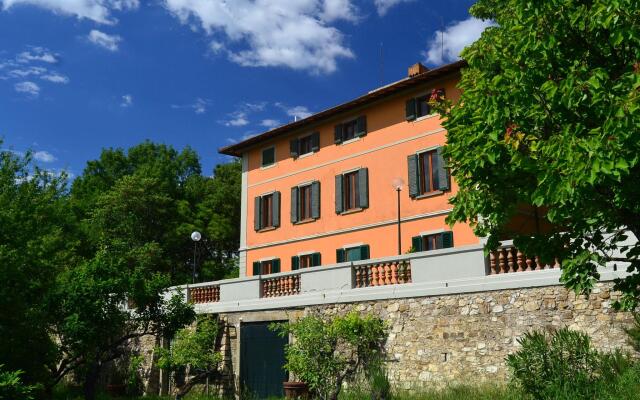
(12, 387)
(326, 353)
(564, 365)
(634, 332)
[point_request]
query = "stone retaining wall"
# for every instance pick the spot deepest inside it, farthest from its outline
(458, 338)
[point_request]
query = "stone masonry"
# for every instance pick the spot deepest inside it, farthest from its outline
(461, 337)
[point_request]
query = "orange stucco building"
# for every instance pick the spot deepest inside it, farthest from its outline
(323, 189)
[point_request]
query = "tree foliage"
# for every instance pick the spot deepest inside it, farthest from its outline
(545, 134)
(193, 356)
(326, 353)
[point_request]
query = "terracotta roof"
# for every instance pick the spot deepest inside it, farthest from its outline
(238, 148)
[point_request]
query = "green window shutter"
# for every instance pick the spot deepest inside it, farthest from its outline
(447, 239)
(316, 260)
(337, 134)
(414, 182)
(411, 109)
(364, 252)
(340, 255)
(294, 204)
(315, 200)
(443, 171)
(275, 266)
(257, 268)
(295, 263)
(363, 187)
(294, 148)
(315, 141)
(416, 243)
(276, 209)
(361, 125)
(339, 202)
(256, 213)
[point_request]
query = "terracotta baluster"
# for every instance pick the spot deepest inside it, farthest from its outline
(267, 288)
(529, 263)
(374, 275)
(538, 266)
(510, 261)
(520, 261)
(394, 273)
(556, 263)
(387, 274)
(408, 273)
(381, 274)
(358, 277)
(492, 263)
(501, 263)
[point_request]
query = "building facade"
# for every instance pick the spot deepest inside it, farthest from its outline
(323, 190)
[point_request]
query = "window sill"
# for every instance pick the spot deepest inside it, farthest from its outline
(424, 117)
(268, 166)
(305, 221)
(267, 229)
(352, 211)
(306, 155)
(430, 194)
(355, 139)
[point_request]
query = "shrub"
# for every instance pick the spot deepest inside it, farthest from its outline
(634, 332)
(564, 365)
(12, 387)
(326, 353)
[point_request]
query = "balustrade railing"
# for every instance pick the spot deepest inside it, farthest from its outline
(382, 274)
(509, 259)
(204, 294)
(287, 285)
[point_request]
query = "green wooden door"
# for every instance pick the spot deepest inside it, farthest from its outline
(261, 361)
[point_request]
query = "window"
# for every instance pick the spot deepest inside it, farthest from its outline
(428, 165)
(352, 190)
(305, 202)
(354, 253)
(305, 261)
(305, 145)
(268, 156)
(266, 267)
(267, 211)
(433, 241)
(427, 173)
(350, 129)
(266, 214)
(419, 106)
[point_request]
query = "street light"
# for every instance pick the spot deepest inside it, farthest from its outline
(397, 185)
(195, 236)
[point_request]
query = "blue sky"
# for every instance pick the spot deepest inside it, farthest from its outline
(80, 75)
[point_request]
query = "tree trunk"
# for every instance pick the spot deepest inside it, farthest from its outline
(91, 381)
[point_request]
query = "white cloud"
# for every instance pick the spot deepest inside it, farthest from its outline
(37, 54)
(44, 156)
(96, 10)
(199, 106)
(298, 112)
(55, 77)
(237, 119)
(26, 71)
(127, 101)
(270, 123)
(272, 33)
(27, 87)
(104, 40)
(447, 46)
(383, 6)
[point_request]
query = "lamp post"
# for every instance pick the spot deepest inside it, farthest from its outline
(195, 237)
(397, 185)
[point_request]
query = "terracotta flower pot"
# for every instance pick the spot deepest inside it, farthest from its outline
(295, 390)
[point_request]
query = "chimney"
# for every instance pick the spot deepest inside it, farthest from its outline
(417, 69)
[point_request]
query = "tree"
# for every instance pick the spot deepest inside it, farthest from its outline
(193, 356)
(38, 240)
(210, 205)
(547, 126)
(93, 324)
(324, 354)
